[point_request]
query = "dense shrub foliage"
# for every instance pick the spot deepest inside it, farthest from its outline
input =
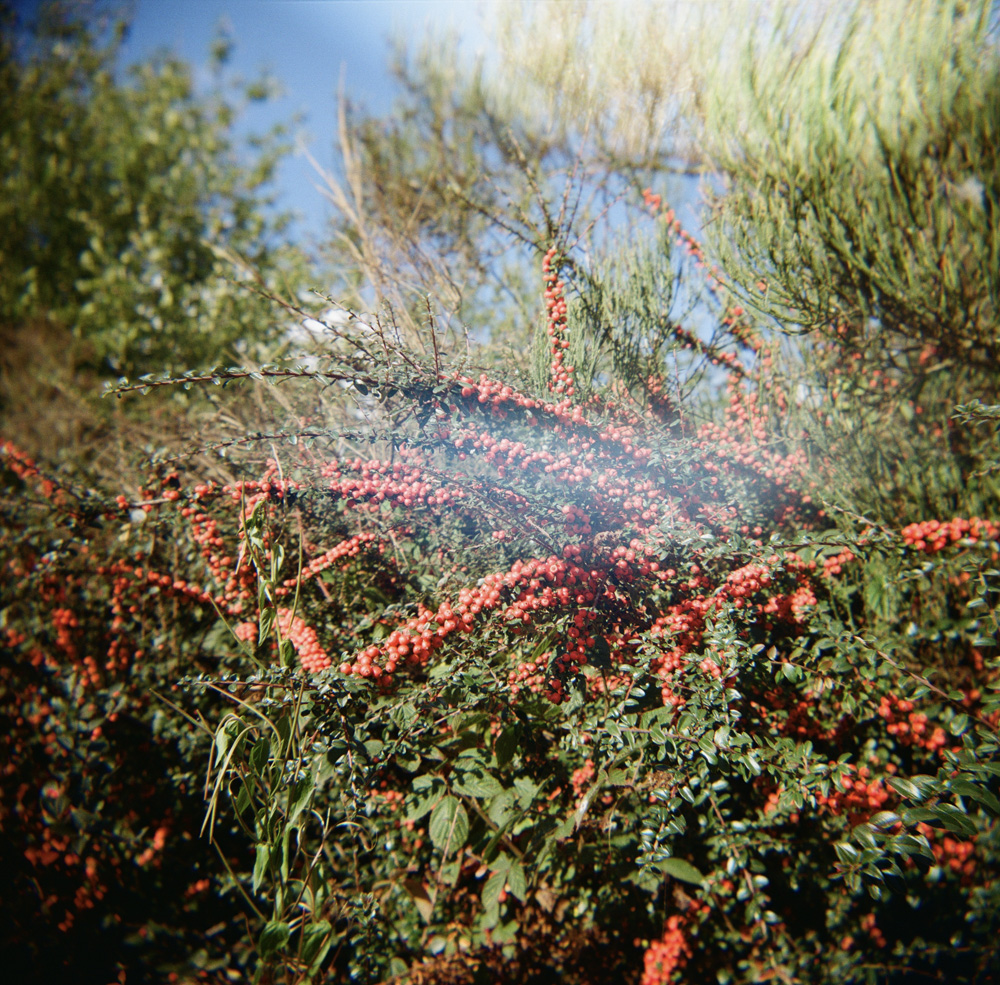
(667, 654)
(504, 683)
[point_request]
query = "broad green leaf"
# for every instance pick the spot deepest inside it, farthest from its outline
(846, 852)
(506, 933)
(681, 869)
(449, 825)
(884, 819)
(491, 889)
(476, 783)
(955, 819)
(420, 807)
(505, 746)
(905, 788)
(914, 815)
(317, 939)
(273, 938)
(502, 807)
(965, 788)
(517, 883)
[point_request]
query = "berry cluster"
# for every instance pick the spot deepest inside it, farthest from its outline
(949, 852)
(667, 955)
(908, 726)
(860, 795)
(561, 382)
(932, 536)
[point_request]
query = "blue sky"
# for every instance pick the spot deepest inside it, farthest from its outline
(307, 46)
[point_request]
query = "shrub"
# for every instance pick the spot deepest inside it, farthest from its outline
(668, 654)
(508, 683)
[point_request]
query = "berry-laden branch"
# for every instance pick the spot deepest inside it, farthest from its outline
(513, 657)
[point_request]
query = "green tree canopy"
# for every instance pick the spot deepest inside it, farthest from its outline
(119, 189)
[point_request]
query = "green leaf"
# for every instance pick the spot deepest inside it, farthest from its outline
(267, 616)
(846, 852)
(420, 807)
(648, 718)
(914, 815)
(222, 739)
(283, 727)
(477, 783)
(505, 746)
(406, 714)
(678, 868)
(506, 933)
(958, 724)
(966, 788)
(260, 755)
(905, 788)
(517, 883)
(260, 866)
(884, 819)
(273, 938)
(791, 672)
(492, 888)
(242, 799)
(301, 798)
(501, 808)
(449, 825)
(955, 819)
(526, 790)
(317, 938)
